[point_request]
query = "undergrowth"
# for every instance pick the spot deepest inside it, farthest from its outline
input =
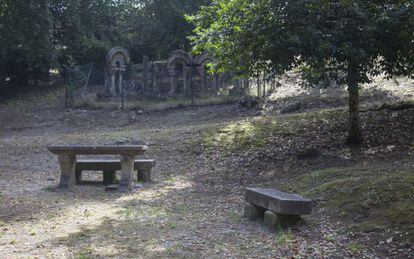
(372, 200)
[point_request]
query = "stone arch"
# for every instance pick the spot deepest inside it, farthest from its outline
(201, 61)
(183, 58)
(118, 54)
(116, 61)
(179, 56)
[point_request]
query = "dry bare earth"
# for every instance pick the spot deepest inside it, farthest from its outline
(194, 207)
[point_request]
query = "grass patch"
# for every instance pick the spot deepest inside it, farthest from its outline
(235, 216)
(259, 132)
(355, 247)
(246, 134)
(91, 102)
(284, 238)
(371, 199)
(86, 253)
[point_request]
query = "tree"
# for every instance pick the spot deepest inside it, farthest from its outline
(26, 47)
(150, 27)
(156, 27)
(340, 40)
(81, 39)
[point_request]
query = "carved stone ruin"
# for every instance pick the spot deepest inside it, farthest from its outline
(182, 75)
(116, 61)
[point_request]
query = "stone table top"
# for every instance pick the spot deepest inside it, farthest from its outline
(97, 150)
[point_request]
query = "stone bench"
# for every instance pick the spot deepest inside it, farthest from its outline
(278, 208)
(109, 168)
(67, 156)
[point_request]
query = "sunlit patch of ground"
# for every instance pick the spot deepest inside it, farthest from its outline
(206, 157)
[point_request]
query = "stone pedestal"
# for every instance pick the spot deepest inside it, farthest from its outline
(127, 167)
(253, 212)
(276, 221)
(67, 167)
(173, 85)
(120, 82)
(271, 220)
(185, 81)
(112, 88)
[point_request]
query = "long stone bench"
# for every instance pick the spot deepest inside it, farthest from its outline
(109, 168)
(276, 207)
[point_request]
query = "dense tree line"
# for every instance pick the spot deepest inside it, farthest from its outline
(37, 35)
(336, 41)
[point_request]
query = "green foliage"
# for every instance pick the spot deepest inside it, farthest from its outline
(340, 41)
(324, 38)
(284, 238)
(26, 49)
(156, 27)
(38, 35)
(355, 247)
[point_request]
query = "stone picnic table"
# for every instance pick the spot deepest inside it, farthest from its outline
(67, 160)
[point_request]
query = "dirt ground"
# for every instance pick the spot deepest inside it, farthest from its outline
(194, 207)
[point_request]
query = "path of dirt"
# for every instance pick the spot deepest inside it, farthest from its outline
(188, 211)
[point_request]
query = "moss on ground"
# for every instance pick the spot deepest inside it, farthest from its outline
(261, 131)
(372, 200)
(246, 134)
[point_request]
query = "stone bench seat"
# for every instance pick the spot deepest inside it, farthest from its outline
(278, 208)
(109, 168)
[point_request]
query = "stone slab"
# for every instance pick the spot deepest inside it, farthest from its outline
(97, 150)
(279, 202)
(112, 165)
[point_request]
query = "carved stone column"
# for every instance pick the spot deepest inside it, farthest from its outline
(127, 168)
(112, 87)
(216, 81)
(67, 167)
(120, 82)
(185, 83)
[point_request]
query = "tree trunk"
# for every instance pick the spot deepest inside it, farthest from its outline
(354, 133)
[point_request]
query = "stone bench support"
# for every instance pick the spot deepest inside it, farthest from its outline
(278, 209)
(127, 168)
(109, 168)
(67, 167)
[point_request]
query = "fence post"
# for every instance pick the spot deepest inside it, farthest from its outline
(145, 60)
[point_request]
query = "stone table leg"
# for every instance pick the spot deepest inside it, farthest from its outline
(272, 220)
(127, 167)
(67, 170)
(253, 212)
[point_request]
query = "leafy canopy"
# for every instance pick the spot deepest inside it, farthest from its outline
(324, 38)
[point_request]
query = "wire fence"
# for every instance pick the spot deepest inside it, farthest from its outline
(87, 86)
